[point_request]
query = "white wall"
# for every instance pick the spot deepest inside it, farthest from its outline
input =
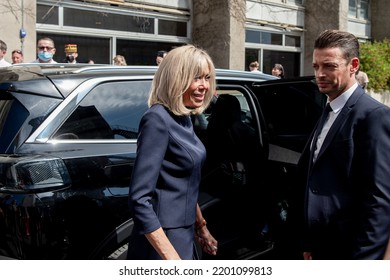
(275, 12)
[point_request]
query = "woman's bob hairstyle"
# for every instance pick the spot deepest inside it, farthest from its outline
(176, 73)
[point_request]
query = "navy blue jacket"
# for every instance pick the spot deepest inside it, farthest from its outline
(347, 197)
(167, 171)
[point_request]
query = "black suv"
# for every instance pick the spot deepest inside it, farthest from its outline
(67, 147)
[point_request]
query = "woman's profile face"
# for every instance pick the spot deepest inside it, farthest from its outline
(194, 96)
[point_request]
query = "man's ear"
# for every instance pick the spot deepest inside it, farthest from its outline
(355, 64)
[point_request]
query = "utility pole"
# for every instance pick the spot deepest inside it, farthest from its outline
(22, 32)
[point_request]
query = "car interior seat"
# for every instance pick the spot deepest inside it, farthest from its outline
(230, 141)
(228, 135)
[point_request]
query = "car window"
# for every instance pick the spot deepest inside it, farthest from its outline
(201, 121)
(290, 112)
(246, 115)
(110, 111)
(12, 117)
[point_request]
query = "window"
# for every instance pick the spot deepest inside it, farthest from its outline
(289, 60)
(110, 21)
(293, 41)
(259, 37)
(290, 112)
(97, 49)
(286, 51)
(109, 111)
(296, 2)
(359, 9)
(363, 11)
(105, 31)
(174, 28)
(12, 116)
(47, 14)
(141, 52)
(352, 8)
(271, 38)
(252, 36)
(268, 58)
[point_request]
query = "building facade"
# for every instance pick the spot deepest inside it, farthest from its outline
(234, 32)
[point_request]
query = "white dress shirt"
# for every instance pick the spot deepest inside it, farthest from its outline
(336, 105)
(4, 63)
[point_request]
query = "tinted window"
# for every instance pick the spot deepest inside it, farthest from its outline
(290, 112)
(109, 111)
(12, 117)
(293, 41)
(111, 21)
(174, 28)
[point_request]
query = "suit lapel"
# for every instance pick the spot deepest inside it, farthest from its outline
(341, 118)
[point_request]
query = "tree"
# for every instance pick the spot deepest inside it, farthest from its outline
(375, 61)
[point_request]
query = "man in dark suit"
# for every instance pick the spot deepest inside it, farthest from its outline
(347, 166)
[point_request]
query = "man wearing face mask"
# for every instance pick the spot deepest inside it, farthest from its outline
(45, 51)
(71, 53)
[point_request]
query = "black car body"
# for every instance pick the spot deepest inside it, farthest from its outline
(68, 143)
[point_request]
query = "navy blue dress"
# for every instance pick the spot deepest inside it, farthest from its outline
(165, 182)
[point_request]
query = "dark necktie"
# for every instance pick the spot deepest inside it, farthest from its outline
(320, 125)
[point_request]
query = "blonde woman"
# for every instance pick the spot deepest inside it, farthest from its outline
(119, 60)
(167, 171)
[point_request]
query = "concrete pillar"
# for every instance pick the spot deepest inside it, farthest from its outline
(380, 21)
(219, 28)
(319, 16)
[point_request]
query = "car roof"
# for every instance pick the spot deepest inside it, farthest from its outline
(65, 77)
(57, 69)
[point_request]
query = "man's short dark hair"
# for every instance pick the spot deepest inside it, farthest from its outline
(346, 41)
(161, 53)
(3, 46)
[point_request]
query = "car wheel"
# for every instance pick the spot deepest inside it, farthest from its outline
(119, 254)
(114, 246)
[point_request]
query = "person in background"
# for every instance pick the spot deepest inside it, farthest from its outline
(165, 181)
(254, 67)
(3, 51)
(160, 56)
(119, 60)
(362, 79)
(278, 70)
(45, 51)
(346, 168)
(71, 53)
(17, 56)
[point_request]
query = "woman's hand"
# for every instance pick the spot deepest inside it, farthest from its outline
(307, 256)
(206, 240)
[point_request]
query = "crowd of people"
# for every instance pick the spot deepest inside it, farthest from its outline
(46, 50)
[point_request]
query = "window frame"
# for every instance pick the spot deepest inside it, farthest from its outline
(360, 10)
